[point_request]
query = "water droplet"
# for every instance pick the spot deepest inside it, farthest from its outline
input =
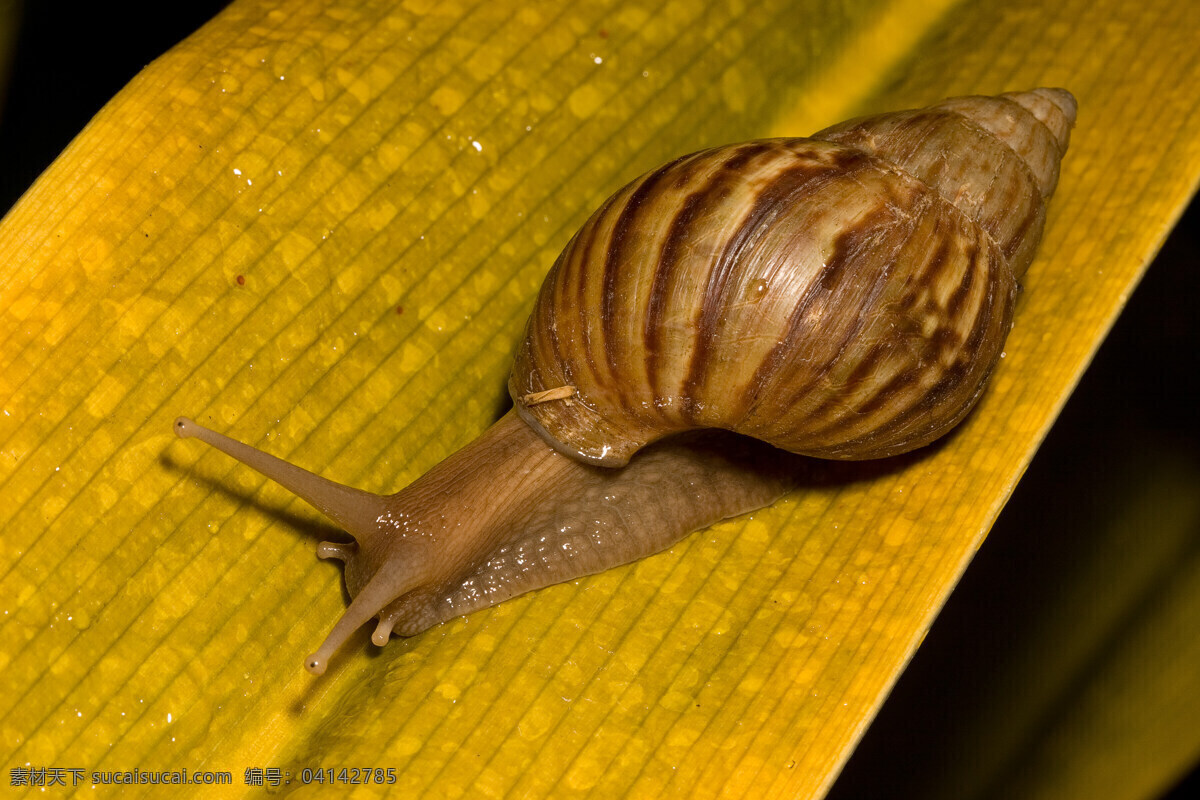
(756, 290)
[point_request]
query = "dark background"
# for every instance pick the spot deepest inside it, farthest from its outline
(1140, 395)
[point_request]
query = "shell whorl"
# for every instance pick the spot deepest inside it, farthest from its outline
(844, 296)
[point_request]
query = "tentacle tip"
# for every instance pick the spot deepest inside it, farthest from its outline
(184, 428)
(315, 664)
(383, 632)
(343, 551)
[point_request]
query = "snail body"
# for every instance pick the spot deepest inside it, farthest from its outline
(843, 296)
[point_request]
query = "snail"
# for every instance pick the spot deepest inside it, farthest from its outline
(843, 296)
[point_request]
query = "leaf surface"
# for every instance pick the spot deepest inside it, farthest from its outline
(319, 227)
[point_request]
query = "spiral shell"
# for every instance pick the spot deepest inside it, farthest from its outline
(842, 296)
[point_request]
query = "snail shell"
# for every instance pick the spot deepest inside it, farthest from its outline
(844, 296)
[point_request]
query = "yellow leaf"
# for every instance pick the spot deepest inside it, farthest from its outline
(320, 225)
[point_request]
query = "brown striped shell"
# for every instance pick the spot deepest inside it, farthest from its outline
(842, 296)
